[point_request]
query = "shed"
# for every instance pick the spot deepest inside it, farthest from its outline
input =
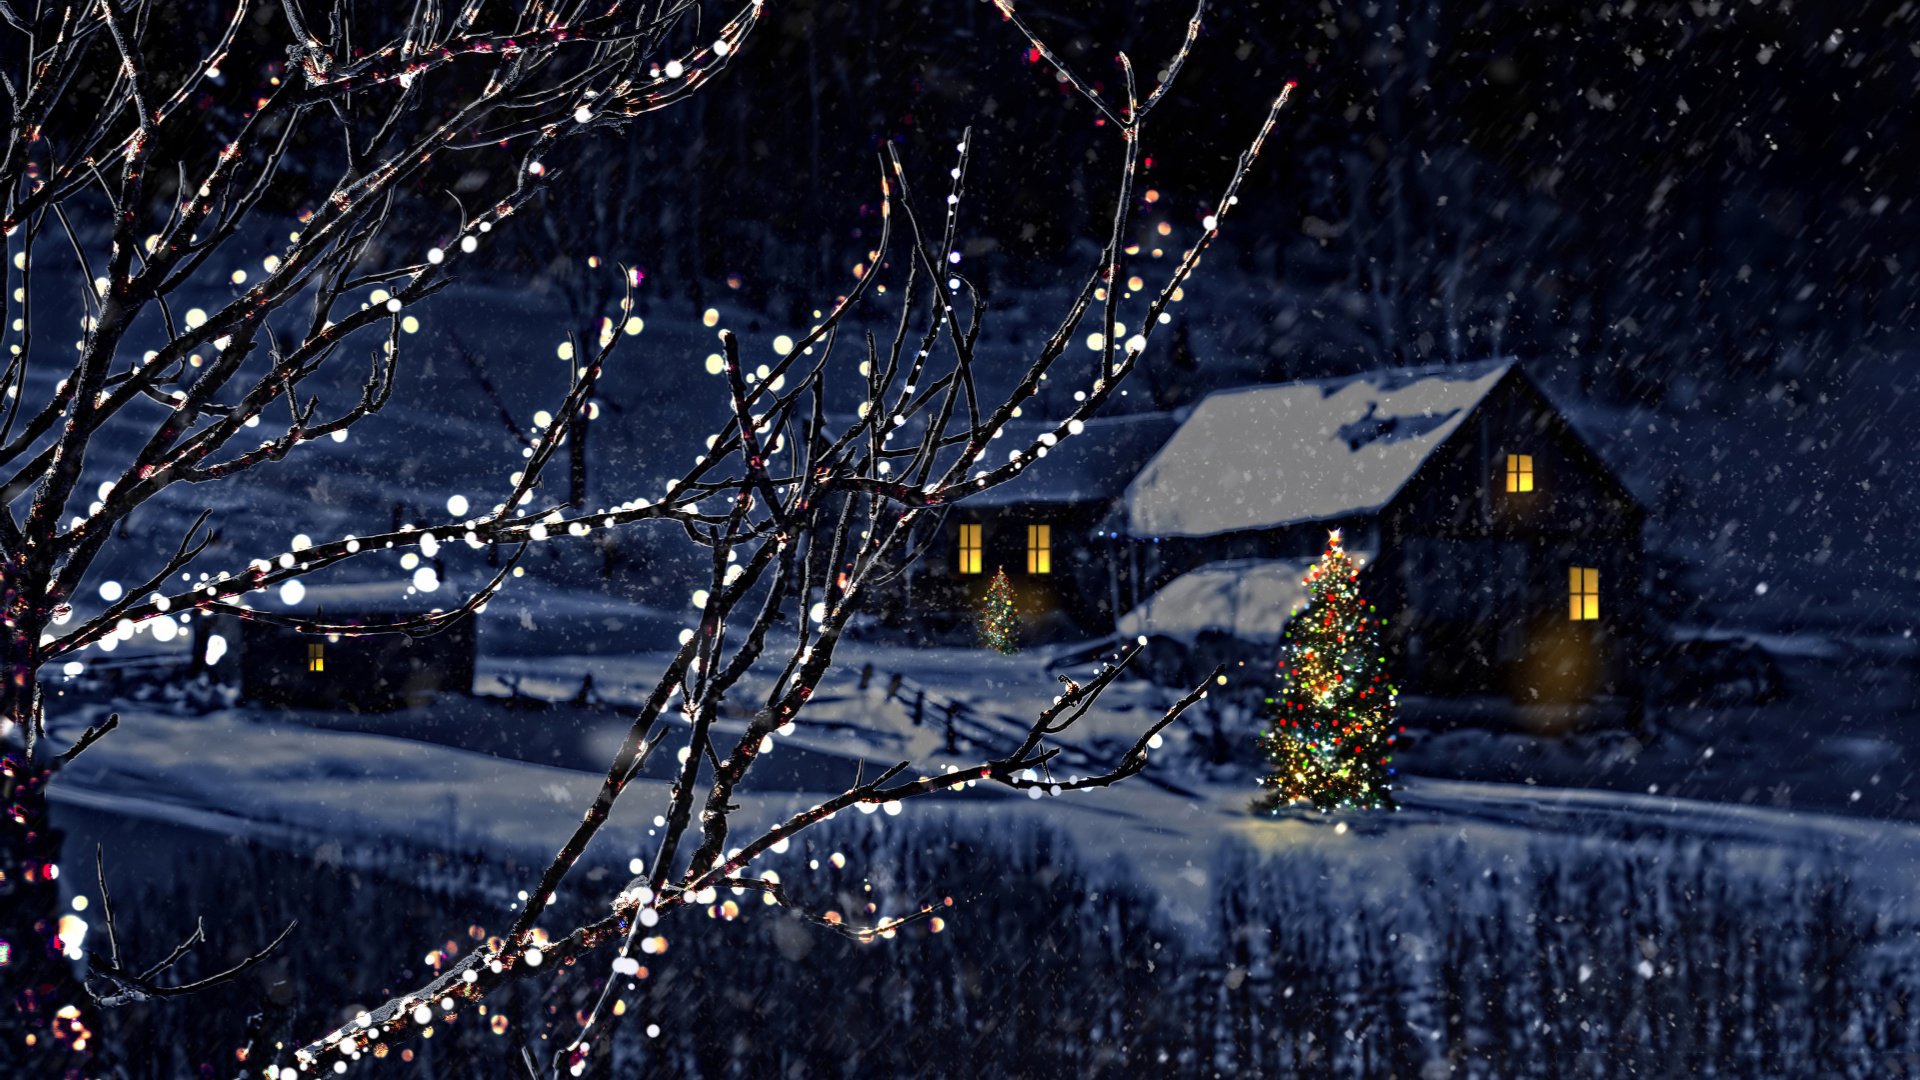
(281, 666)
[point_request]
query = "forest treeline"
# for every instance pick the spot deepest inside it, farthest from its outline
(1646, 192)
(1649, 193)
(1576, 958)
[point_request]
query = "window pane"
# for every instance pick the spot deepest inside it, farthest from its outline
(1583, 592)
(970, 554)
(1039, 549)
(1519, 472)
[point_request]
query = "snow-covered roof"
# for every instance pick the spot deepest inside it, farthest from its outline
(352, 599)
(1303, 451)
(1094, 465)
(1249, 599)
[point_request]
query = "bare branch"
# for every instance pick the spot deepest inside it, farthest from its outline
(93, 734)
(832, 920)
(119, 986)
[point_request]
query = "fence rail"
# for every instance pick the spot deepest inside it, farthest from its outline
(986, 730)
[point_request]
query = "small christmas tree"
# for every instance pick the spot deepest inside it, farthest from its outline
(999, 625)
(1330, 736)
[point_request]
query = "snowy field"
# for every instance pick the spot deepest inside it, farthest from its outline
(1489, 930)
(511, 773)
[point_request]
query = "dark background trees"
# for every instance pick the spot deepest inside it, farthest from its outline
(1651, 193)
(1645, 189)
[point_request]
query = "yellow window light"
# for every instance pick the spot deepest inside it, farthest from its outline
(316, 656)
(1039, 549)
(1519, 472)
(970, 546)
(1583, 593)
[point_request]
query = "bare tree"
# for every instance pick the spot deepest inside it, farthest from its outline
(802, 516)
(815, 518)
(116, 161)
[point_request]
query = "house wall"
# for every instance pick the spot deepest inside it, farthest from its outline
(1075, 599)
(375, 673)
(1476, 577)
(1162, 560)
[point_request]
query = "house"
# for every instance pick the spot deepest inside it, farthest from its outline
(1043, 528)
(1504, 555)
(276, 665)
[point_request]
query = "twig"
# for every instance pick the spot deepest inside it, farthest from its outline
(93, 734)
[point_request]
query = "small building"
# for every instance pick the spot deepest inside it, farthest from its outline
(280, 666)
(1043, 528)
(1506, 556)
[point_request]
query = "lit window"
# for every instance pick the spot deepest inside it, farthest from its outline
(1519, 472)
(970, 549)
(316, 656)
(1583, 593)
(1039, 549)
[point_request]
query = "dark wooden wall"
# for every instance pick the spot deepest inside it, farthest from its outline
(1477, 577)
(1073, 601)
(376, 673)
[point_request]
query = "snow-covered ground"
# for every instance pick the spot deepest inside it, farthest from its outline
(1810, 567)
(511, 775)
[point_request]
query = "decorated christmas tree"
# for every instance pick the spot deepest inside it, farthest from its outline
(999, 626)
(1330, 735)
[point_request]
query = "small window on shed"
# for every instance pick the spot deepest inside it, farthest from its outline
(316, 656)
(1519, 472)
(1583, 593)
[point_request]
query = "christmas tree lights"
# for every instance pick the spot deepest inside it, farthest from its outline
(999, 625)
(1331, 724)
